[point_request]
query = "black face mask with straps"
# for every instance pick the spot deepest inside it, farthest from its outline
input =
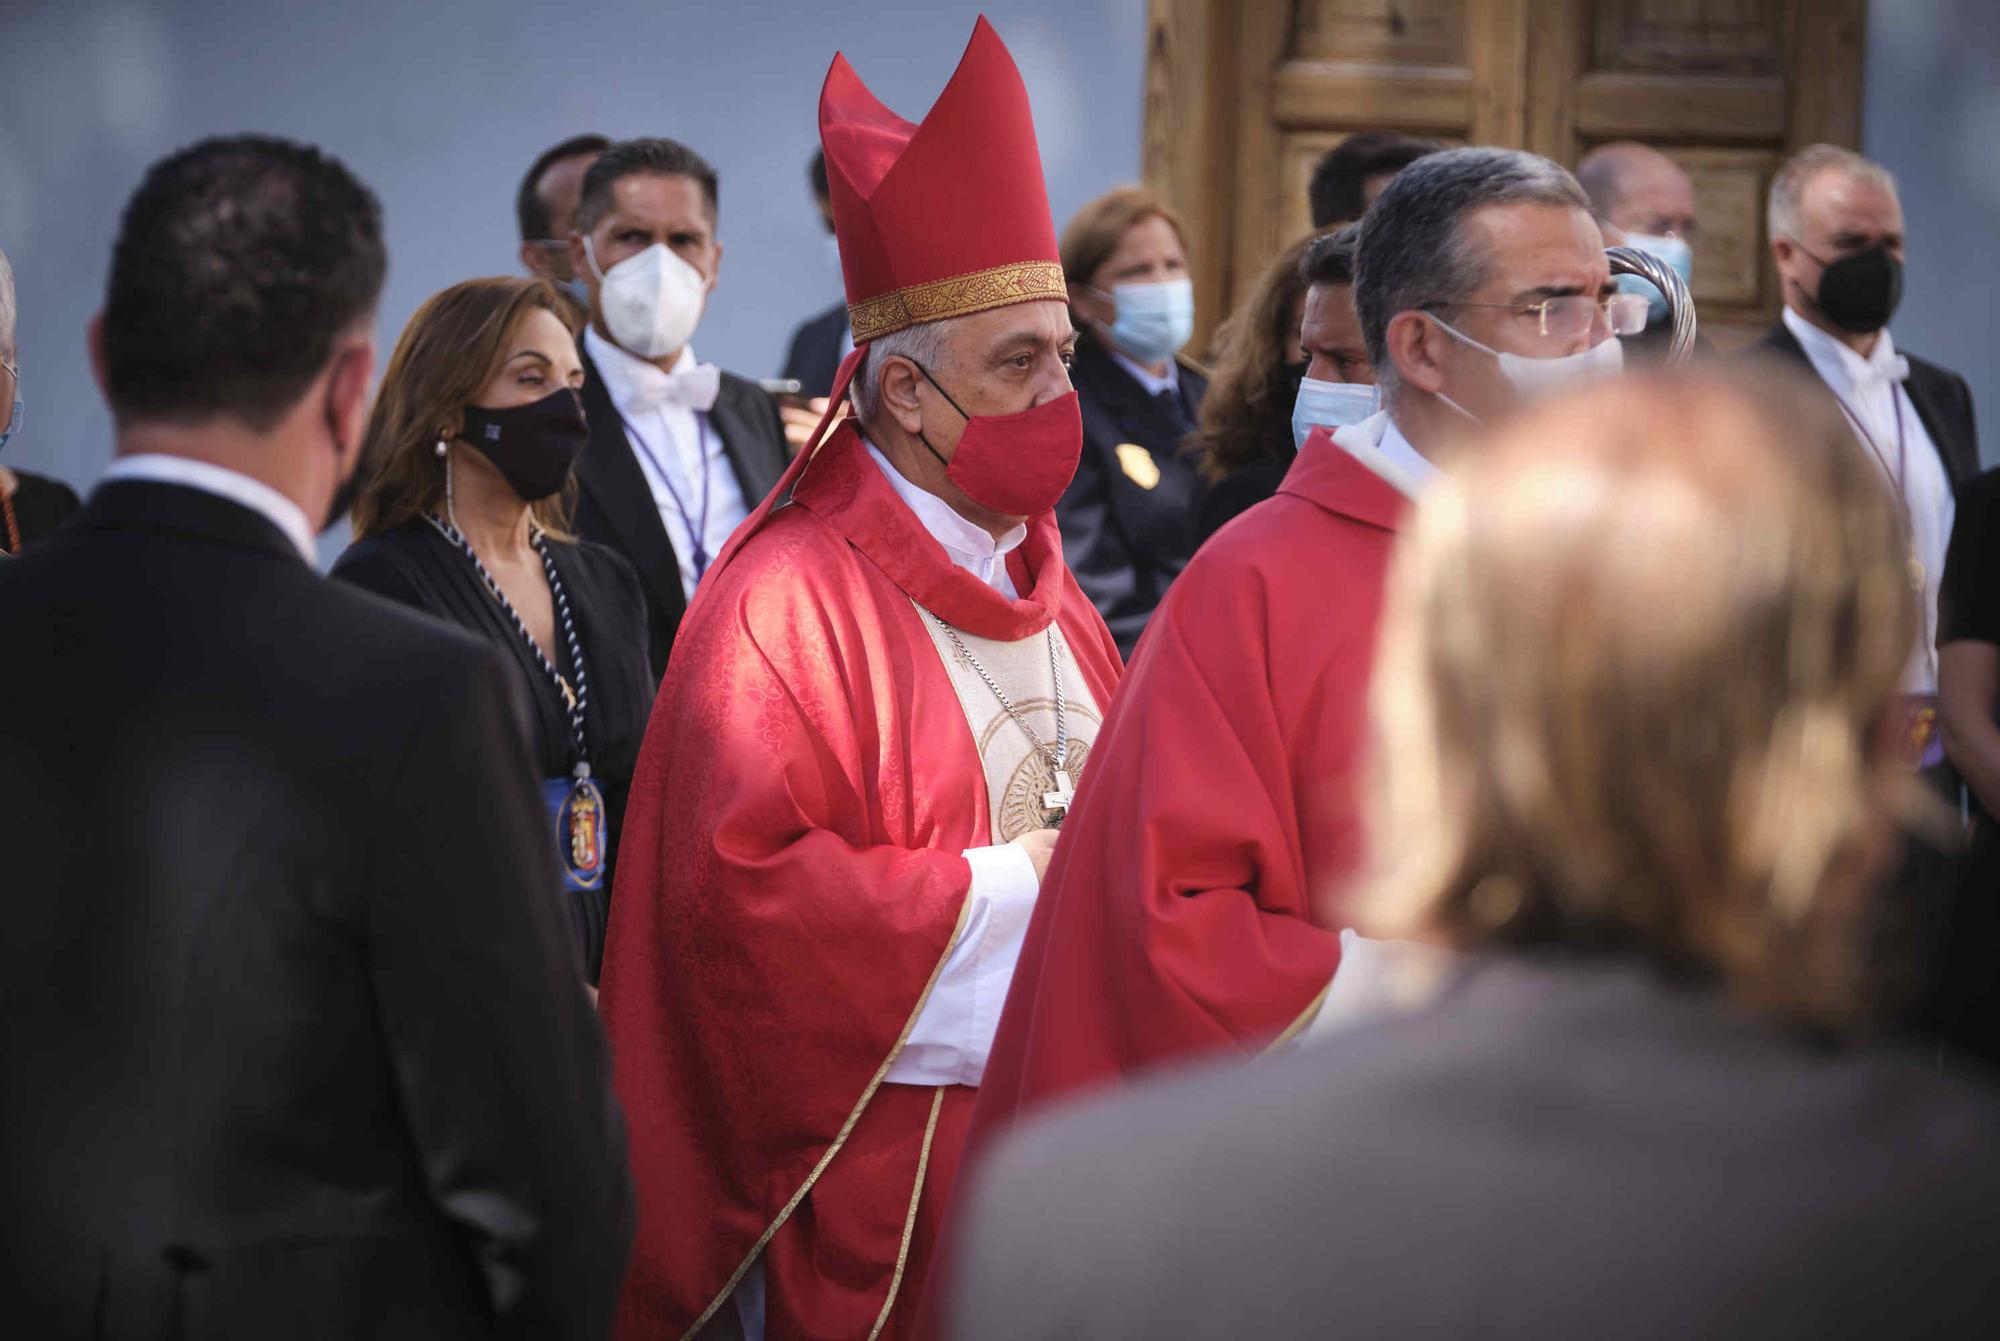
(534, 446)
(1859, 292)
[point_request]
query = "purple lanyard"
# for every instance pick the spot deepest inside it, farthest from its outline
(696, 523)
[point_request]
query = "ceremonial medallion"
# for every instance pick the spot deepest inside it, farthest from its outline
(577, 807)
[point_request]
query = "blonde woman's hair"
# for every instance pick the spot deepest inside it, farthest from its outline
(1638, 655)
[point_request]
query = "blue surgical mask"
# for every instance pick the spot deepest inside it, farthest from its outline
(1675, 252)
(1153, 320)
(578, 291)
(1330, 405)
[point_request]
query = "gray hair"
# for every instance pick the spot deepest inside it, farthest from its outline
(1413, 253)
(1788, 188)
(7, 307)
(923, 344)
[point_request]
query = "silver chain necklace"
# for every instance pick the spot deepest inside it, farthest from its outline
(578, 701)
(1058, 758)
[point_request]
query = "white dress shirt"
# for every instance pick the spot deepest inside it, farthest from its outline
(1154, 385)
(1871, 391)
(949, 1042)
(261, 498)
(679, 452)
(1378, 444)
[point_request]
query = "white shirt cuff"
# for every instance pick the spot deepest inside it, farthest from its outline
(953, 1033)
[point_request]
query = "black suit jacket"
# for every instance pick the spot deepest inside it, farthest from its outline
(814, 356)
(1941, 397)
(292, 1033)
(615, 504)
(1128, 521)
(1548, 1150)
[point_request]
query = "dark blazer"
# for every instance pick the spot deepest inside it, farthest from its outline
(615, 505)
(1941, 397)
(416, 566)
(293, 1038)
(1548, 1150)
(1128, 526)
(814, 356)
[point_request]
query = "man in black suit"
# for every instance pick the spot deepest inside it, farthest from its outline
(1837, 237)
(824, 339)
(294, 1041)
(679, 450)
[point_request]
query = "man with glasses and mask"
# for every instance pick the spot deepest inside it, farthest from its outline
(545, 207)
(680, 451)
(1194, 903)
(30, 506)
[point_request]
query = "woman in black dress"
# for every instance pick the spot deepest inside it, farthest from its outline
(473, 443)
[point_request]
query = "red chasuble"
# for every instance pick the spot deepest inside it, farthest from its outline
(1193, 901)
(790, 885)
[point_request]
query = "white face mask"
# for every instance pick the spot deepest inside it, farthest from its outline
(1330, 405)
(652, 301)
(1541, 377)
(1152, 321)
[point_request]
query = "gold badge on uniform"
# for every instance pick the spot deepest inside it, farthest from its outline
(1139, 465)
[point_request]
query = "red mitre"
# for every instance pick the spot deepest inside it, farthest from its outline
(946, 218)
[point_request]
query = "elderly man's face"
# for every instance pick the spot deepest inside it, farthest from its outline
(1536, 253)
(1839, 214)
(999, 362)
(1656, 198)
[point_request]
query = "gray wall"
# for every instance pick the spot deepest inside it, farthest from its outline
(1932, 115)
(441, 105)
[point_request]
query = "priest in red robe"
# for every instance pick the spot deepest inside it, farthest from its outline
(1195, 900)
(876, 713)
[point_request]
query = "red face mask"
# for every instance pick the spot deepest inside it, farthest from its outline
(1016, 464)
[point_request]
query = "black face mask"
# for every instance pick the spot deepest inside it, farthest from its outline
(1859, 292)
(534, 446)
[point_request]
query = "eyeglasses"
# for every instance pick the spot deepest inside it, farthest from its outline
(1575, 314)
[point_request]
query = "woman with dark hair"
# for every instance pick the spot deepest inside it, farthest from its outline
(474, 439)
(1292, 358)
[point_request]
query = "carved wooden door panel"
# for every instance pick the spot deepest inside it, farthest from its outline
(1244, 95)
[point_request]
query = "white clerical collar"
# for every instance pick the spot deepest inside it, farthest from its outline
(623, 372)
(969, 546)
(1837, 363)
(261, 498)
(1378, 444)
(1154, 385)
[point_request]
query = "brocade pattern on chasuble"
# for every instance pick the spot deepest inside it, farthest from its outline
(1017, 774)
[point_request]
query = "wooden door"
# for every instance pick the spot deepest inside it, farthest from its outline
(1243, 96)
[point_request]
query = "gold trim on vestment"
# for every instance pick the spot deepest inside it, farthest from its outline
(958, 296)
(1305, 1018)
(846, 1130)
(910, 1220)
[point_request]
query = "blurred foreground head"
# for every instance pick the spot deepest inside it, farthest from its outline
(1633, 671)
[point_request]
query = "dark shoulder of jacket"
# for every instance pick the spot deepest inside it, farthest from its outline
(608, 568)
(745, 395)
(1190, 368)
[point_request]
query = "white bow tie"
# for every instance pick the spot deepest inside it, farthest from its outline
(695, 389)
(1896, 369)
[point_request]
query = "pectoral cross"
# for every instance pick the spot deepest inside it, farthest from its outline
(1064, 795)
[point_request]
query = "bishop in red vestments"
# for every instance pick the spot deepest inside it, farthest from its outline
(1195, 901)
(876, 712)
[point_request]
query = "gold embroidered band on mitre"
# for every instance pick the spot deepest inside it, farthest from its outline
(958, 296)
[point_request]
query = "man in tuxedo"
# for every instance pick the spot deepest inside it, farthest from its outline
(292, 1036)
(1836, 230)
(679, 451)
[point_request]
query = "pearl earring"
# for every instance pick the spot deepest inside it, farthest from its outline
(442, 450)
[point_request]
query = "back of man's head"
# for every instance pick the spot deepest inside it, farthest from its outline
(1413, 251)
(531, 209)
(1338, 190)
(239, 264)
